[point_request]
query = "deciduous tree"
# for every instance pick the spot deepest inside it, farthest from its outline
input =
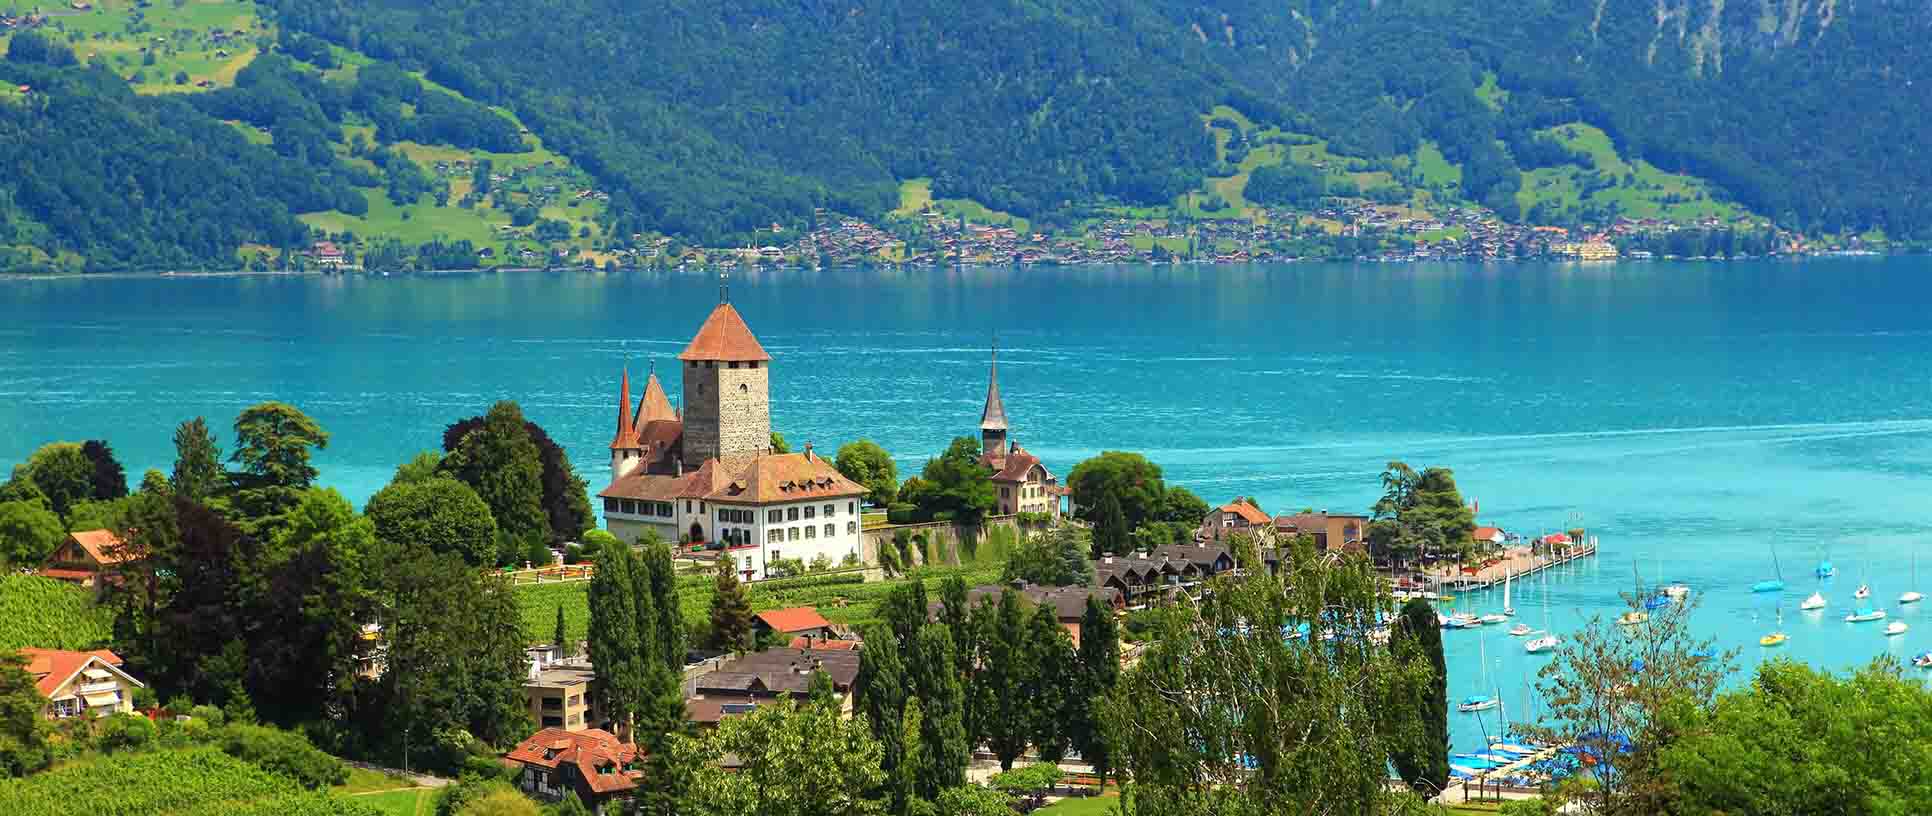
(1051, 682)
(1006, 718)
(879, 694)
(1099, 667)
(942, 731)
(64, 475)
(23, 731)
(499, 461)
(957, 483)
(29, 534)
(793, 761)
(869, 465)
(272, 445)
(565, 502)
(1133, 482)
(1056, 556)
(109, 478)
(441, 515)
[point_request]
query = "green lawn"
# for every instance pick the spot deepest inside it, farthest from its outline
(1090, 806)
(405, 802)
(1638, 188)
(363, 780)
(915, 195)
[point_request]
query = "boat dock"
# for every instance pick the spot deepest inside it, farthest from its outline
(1520, 562)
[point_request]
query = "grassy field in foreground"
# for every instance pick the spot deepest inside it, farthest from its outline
(1091, 806)
(404, 802)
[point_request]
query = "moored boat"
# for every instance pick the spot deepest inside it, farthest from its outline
(1816, 601)
(1895, 628)
(1864, 614)
(1519, 630)
(1633, 617)
(1541, 644)
(1476, 702)
(1923, 661)
(1773, 639)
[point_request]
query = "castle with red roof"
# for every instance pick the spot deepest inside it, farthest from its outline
(709, 474)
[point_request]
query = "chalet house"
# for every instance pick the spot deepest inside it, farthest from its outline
(592, 763)
(1489, 535)
(800, 620)
(88, 557)
(327, 255)
(1232, 518)
(81, 683)
(774, 673)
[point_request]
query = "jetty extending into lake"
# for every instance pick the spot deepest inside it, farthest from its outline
(1519, 561)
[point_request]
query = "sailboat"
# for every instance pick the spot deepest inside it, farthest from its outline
(1776, 638)
(1520, 630)
(1816, 601)
(1545, 641)
(1825, 569)
(1507, 609)
(1923, 661)
(1864, 613)
(1776, 584)
(1477, 702)
(1912, 595)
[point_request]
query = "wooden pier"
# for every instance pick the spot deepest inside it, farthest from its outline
(1519, 562)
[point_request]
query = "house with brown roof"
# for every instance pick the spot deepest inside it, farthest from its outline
(799, 620)
(88, 556)
(593, 763)
(772, 674)
(1239, 516)
(1024, 485)
(1069, 603)
(708, 476)
(81, 683)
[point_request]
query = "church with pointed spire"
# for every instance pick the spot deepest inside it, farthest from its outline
(708, 475)
(1022, 483)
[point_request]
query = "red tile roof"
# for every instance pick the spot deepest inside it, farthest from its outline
(724, 336)
(796, 619)
(1014, 468)
(1247, 512)
(589, 750)
(654, 406)
(626, 433)
(52, 668)
(59, 574)
(786, 477)
(103, 546)
(1486, 533)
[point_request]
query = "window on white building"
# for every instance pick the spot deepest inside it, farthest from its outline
(851, 527)
(747, 562)
(774, 536)
(792, 534)
(810, 511)
(775, 516)
(831, 530)
(852, 507)
(811, 532)
(829, 509)
(791, 514)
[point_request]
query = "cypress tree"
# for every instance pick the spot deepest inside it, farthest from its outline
(644, 599)
(879, 694)
(944, 752)
(664, 593)
(730, 612)
(1099, 670)
(613, 643)
(1109, 526)
(559, 638)
(1049, 682)
(1006, 716)
(1425, 763)
(956, 614)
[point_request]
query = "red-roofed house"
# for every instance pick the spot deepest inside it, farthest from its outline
(809, 643)
(1024, 484)
(87, 555)
(799, 620)
(327, 255)
(1489, 535)
(77, 683)
(593, 763)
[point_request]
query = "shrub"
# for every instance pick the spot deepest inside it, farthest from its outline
(900, 513)
(284, 752)
(126, 732)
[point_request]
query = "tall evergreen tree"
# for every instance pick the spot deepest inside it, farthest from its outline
(1050, 676)
(613, 643)
(502, 465)
(1109, 527)
(566, 504)
(1002, 679)
(197, 461)
(1099, 672)
(560, 638)
(942, 730)
(955, 612)
(730, 611)
(904, 612)
(272, 444)
(110, 479)
(664, 592)
(1424, 761)
(879, 693)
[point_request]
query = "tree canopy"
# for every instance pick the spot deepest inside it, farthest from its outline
(869, 465)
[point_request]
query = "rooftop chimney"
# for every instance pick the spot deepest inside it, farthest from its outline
(808, 452)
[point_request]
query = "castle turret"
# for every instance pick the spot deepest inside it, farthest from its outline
(992, 419)
(624, 454)
(727, 390)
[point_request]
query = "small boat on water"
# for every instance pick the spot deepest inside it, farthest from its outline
(1816, 601)
(1658, 601)
(1494, 617)
(1773, 639)
(1676, 590)
(1825, 569)
(1507, 609)
(1541, 644)
(1633, 617)
(1895, 628)
(1864, 614)
(1923, 661)
(1474, 703)
(1519, 630)
(1912, 595)
(1864, 591)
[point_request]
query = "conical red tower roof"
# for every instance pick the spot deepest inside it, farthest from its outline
(724, 336)
(626, 432)
(653, 405)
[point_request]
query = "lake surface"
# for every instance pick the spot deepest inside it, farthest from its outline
(1691, 416)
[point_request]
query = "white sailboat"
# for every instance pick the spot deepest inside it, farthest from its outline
(1545, 641)
(1895, 628)
(1507, 609)
(1816, 601)
(1519, 630)
(1477, 702)
(1864, 589)
(1865, 613)
(1912, 595)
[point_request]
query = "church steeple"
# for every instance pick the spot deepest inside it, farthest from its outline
(992, 419)
(626, 431)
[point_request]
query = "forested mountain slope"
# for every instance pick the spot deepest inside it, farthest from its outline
(711, 118)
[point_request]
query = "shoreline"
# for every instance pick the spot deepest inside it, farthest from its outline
(242, 273)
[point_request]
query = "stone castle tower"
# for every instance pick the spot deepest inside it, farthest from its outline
(727, 391)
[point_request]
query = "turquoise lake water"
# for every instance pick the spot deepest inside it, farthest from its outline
(1692, 416)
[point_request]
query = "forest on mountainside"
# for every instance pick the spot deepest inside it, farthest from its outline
(709, 121)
